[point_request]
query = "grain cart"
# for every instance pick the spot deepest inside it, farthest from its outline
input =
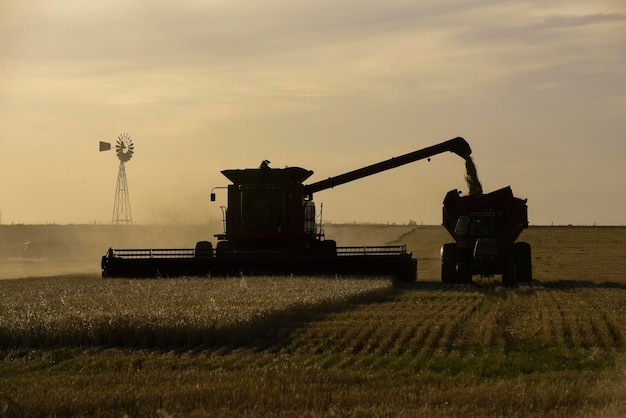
(485, 228)
(270, 228)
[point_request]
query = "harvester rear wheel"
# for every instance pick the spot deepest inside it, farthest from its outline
(523, 261)
(449, 259)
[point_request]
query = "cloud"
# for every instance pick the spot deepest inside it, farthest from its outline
(569, 21)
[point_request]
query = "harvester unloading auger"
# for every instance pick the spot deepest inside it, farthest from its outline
(271, 229)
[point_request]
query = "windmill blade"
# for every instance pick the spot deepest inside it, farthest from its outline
(124, 147)
(105, 146)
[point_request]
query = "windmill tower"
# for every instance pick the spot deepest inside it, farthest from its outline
(124, 150)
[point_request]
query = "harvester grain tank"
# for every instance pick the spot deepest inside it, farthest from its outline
(270, 228)
(485, 228)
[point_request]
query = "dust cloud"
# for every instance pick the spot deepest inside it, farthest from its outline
(472, 177)
(46, 250)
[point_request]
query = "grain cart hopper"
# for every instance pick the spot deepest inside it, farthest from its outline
(485, 228)
(270, 228)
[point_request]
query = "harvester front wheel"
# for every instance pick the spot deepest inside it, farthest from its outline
(329, 247)
(204, 249)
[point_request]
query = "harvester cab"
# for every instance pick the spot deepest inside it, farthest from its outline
(268, 208)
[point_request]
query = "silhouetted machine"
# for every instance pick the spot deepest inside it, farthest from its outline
(271, 229)
(485, 228)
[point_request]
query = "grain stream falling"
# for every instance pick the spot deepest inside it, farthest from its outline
(472, 177)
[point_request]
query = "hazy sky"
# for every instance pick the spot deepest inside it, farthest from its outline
(537, 88)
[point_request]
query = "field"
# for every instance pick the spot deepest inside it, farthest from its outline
(77, 345)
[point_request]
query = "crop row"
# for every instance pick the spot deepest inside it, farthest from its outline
(536, 328)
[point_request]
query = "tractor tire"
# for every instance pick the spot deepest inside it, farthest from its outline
(523, 262)
(449, 259)
(463, 273)
(509, 275)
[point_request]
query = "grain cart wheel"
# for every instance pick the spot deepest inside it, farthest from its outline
(449, 259)
(523, 262)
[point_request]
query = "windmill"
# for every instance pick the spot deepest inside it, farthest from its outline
(124, 150)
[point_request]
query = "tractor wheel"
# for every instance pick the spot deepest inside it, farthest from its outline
(463, 273)
(449, 259)
(509, 275)
(523, 261)
(408, 272)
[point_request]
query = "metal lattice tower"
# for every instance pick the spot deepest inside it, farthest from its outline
(121, 206)
(124, 149)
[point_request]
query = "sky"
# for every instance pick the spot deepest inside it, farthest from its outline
(538, 89)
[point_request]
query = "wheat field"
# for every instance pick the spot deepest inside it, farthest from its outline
(77, 345)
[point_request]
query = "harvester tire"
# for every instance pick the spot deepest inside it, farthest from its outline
(104, 265)
(449, 260)
(523, 261)
(224, 248)
(329, 247)
(204, 249)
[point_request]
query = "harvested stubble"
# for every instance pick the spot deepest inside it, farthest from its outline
(551, 349)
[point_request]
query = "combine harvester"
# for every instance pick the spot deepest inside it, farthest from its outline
(271, 230)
